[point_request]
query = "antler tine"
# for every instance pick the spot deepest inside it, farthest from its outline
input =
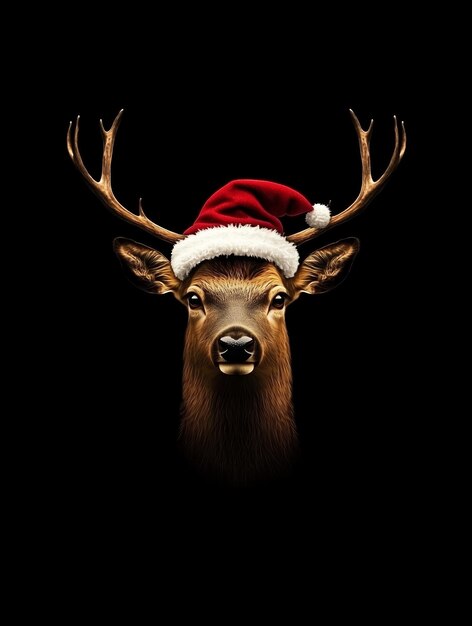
(369, 187)
(103, 189)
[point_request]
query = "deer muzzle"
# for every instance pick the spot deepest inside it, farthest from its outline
(236, 354)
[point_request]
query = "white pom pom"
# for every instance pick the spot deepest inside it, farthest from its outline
(319, 217)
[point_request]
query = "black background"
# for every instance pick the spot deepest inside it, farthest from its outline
(242, 100)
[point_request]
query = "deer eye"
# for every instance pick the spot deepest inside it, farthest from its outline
(194, 301)
(278, 301)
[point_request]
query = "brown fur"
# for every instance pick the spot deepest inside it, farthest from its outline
(238, 427)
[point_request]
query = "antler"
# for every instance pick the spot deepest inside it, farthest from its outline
(369, 187)
(102, 188)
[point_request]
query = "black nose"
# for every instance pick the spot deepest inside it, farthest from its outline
(236, 350)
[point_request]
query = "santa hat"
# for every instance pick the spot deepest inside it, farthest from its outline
(242, 218)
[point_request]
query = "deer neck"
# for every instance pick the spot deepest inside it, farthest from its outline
(239, 426)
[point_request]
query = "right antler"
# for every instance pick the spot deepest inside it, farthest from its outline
(102, 188)
(369, 186)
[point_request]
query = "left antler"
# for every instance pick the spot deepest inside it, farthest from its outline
(102, 188)
(369, 187)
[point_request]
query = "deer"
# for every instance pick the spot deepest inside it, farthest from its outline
(237, 421)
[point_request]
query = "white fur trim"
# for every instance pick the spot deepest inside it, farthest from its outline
(319, 217)
(240, 240)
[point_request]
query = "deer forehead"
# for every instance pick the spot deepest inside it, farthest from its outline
(252, 282)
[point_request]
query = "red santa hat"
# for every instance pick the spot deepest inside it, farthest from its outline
(242, 218)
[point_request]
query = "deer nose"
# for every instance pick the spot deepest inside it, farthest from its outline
(236, 350)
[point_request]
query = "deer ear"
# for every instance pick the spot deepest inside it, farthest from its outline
(148, 269)
(326, 268)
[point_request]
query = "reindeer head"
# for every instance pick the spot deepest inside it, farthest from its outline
(236, 341)
(236, 305)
